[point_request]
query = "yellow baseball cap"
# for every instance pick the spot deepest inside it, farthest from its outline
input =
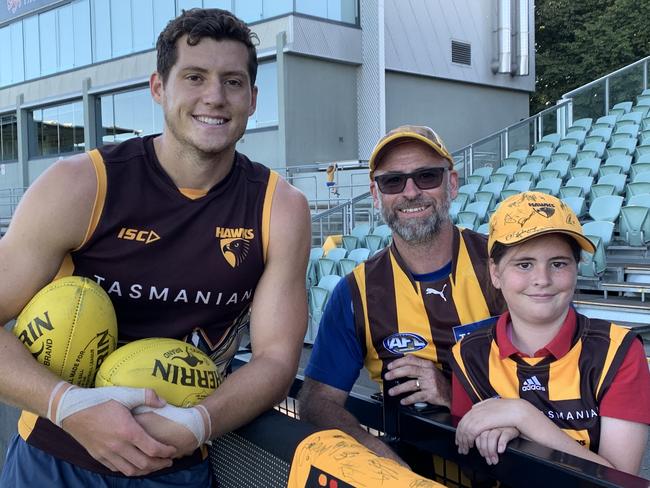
(531, 214)
(404, 133)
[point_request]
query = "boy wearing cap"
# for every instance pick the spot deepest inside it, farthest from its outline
(400, 312)
(544, 371)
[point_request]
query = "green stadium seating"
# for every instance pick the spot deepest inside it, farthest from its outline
(475, 180)
(561, 166)
(606, 208)
(637, 188)
(544, 152)
(385, 233)
(567, 152)
(622, 160)
(583, 124)
(634, 225)
(583, 182)
(637, 168)
(602, 229)
(585, 167)
(483, 228)
(622, 146)
(605, 121)
(625, 106)
(618, 180)
(577, 204)
(550, 184)
(519, 154)
(592, 150)
(629, 118)
(593, 265)
(603, 134)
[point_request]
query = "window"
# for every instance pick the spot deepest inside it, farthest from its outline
(266, 113)
(340, 10)
(31, 48)
(48, 42)
(57, 130)
(8, 138)
(129, 114)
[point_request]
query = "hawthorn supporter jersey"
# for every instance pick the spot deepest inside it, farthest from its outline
(396, 315)
(567, 390)
(175, 263)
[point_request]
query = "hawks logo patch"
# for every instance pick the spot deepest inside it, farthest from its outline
(234, 243)
(544, 209)
(235, 250)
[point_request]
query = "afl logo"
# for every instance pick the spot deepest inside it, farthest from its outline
(404, 342)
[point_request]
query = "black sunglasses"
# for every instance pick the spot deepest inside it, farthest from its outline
(424, 179)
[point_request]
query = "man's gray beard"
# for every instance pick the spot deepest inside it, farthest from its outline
(418, 231)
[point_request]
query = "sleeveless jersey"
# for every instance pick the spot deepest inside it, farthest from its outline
(174, 264)
(396, 315)
(567, 390)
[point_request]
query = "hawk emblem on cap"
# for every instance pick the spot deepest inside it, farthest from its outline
(235, 250)
(545, 210)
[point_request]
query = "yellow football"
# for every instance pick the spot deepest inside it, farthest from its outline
(178, 372)
(70, 327)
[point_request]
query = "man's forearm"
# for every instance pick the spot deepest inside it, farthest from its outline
(329, 415)
(251, 390)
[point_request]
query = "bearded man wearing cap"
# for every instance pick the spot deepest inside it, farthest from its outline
(399, 313)
(545, 371)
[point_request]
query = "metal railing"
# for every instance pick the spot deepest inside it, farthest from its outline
(592, 100)
(597, 97)
(342, 218)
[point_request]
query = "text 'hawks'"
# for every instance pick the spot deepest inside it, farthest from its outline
(228, 233)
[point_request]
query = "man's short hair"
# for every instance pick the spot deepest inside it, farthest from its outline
(198, 23)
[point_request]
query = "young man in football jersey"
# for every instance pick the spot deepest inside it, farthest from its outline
(544, 371)
(400, 312)
(231, 251)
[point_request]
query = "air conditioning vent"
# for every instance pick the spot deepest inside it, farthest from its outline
(461, 53)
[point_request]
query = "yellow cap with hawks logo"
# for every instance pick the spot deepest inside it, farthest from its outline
(531, 214)
(405, 133)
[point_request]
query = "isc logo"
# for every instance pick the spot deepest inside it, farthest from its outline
(401, 343)
(146, 236)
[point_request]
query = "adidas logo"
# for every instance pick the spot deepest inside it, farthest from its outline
(532, 383)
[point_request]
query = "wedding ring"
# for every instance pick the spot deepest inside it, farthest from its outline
(417, 383)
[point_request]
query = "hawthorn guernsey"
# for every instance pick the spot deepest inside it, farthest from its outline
(139, 291)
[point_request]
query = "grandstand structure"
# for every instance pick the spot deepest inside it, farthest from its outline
(592, 150)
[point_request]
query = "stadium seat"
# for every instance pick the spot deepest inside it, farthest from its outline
(485, 172)
(549, 173)
(602, 190)
(561, 166)
(549, 140)
(519, 154)
(629, 118)
(483, 228)
(346, 266)
(475, 180)
(642, 200)
(317, 300)
(468, 220)
(359, 255)
(608, 169)
(577, 204)
(544, 152)
(634, 225)
(636, 188)
(617, 112)
(622, 146)
(374, 242)
(571, 191)
(644, 137)
(505, 170)
(582, 124)
(583, 182)
(314, 255)
(637, 168)
(524, 176)
(625, 106)
(478, 208)
(645, 123)
(606, 208)
(592, 150)
(385, 233)
(631, 130)
(469, 189)
(519, 186)
(603, 134)
(510, 162)
(605, 121)
(329, 282)
(533, 168)
(461, 198)
(586, 167)
(618, 180)
(356, 237)
(602, 229)
(574, 137)
(551, 184)
(454, 209)
(643, 177)
(641, 150)
(326, 266)
(642, 107)
(565, 152)
(624, 161)
(593, 265)
(500, 178)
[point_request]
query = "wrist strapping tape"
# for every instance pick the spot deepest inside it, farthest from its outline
(191, 418)
(75, 399)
